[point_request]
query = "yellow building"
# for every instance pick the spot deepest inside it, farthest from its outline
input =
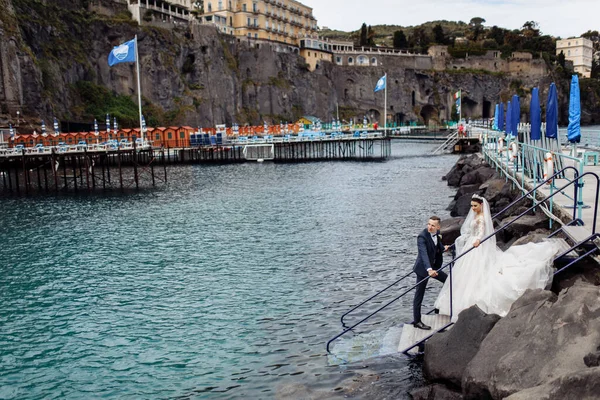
(579, 51)
(277, 20)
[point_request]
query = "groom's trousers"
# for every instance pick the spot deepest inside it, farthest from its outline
(420, 293)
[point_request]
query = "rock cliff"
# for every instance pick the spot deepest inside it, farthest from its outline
(54, 63)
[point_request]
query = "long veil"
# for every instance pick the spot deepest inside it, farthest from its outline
(465, 241)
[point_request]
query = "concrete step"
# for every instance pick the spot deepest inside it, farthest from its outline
(564, 246)
(577, 233)
(412, 335)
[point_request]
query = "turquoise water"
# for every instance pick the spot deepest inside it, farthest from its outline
(228, 282)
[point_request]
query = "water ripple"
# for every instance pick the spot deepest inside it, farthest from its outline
(228, 281)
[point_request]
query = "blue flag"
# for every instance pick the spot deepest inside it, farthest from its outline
(122, 53)
(380, 84)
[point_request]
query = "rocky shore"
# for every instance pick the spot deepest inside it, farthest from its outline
(547, 347)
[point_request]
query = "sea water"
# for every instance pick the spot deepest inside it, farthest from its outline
(227, 282)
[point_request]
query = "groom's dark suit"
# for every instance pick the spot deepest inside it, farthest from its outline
(429, 255)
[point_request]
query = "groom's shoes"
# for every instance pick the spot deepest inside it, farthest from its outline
(421, 325)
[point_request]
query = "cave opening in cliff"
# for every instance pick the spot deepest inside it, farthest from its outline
(470, 108)
(399, 118)
(428, 113)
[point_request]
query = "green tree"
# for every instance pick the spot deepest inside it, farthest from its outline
(530, 29)
(370, 36)
(476, 28)
(400, 41)
(363, 35)
(560, 59)
(438, 35)
(497, 34)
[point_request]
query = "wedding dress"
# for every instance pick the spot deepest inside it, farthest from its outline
(489, 277)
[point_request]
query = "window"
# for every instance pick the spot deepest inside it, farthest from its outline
(244, 7)
(220, 4)
(350, 60)
(182, 135)
(256, 36)
(338, 60)
(209, 7)
(170, 135)
(249, 36)
(158, 136)
(255, 22)
(309, 53)
(373, 61)
(248, 19)
(254, 7)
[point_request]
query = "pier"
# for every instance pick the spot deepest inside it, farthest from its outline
(122, 166)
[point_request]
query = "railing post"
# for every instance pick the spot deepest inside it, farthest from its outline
(580, 190)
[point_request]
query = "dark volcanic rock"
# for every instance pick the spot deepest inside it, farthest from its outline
(467, 190)
(592, 359)
(462, 206)
(536, 237)
(525, 224)
(493, 188)
(451, 230)
(580, 385)
(542, 338)
(447, 354)
(435, 392)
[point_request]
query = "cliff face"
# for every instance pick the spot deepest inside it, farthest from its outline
(54, 63)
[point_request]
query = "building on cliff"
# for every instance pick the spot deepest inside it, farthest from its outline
(283, 21)
(579, 51)
(171, 11)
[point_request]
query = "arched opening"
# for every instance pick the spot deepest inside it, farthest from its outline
(373, 61)
(469, 107)
(374, 115)
(413, 98)
(399, 118)
(350, 61)
(429, 113)
(487, 109)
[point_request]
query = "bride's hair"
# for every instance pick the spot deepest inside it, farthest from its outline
(477, 198)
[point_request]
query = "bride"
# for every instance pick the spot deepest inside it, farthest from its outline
(489, 277)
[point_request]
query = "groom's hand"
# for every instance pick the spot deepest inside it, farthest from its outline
(432, 273)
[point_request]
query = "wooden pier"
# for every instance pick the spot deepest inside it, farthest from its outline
(55, 170)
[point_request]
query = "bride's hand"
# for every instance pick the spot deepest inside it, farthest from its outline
(476, 243)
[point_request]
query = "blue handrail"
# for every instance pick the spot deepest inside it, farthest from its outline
(576, 174)
(576, 179)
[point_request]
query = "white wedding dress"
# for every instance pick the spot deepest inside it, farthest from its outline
(489, 277)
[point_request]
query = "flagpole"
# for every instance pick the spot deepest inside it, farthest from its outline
(459, 108)
(385, 106)
(137, 63)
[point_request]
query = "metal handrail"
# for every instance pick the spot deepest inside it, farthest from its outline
(592, 237)
(472, 248)
(576, 173)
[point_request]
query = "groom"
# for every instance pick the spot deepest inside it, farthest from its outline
(429, 260)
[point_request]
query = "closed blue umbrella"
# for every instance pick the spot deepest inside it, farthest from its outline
(501, 117)
(535, 113)
(43, 127)
(552, 113)
(516, 115)
(574, 128)
(495, 126)
(508, 119)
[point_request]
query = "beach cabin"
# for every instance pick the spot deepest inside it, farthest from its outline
(307, 121)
